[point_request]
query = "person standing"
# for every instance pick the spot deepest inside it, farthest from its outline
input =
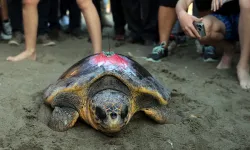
(30, 19)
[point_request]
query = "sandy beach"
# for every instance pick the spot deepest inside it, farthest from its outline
(217, 110)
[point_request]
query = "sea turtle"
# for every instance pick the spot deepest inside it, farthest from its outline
(105, 90)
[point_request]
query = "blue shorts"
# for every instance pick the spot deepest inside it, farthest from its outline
(231, 23)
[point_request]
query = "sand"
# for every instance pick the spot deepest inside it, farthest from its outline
(216, 109)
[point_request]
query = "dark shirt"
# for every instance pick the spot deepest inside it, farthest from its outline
(228, 8)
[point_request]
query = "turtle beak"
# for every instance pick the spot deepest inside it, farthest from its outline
(113, 123)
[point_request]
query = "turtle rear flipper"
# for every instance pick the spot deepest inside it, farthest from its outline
(162, 115)
(63, 118)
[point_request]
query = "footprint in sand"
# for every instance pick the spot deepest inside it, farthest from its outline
(173, 75)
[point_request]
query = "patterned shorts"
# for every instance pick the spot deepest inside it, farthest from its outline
(231, 23)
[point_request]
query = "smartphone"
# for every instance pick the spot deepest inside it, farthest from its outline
(199, 26)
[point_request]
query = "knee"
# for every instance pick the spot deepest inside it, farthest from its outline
(208, 24)
(30, 2)
(244, 4)
(84, 4)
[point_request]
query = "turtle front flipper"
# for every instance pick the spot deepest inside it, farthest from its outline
(162, 115)
(63, 118)
(66, 107)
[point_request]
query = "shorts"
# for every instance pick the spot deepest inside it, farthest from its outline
(168, 3)
(231, 23)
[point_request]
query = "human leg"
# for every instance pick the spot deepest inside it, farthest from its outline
(53, 15)
(118, 18)
(4, 10)
(244, 33)
(93, 23)
(97, 5)
(30, 19)
(43, 28)
(149, 19)
(16, 23)
(218, 29)
(75, 19)
(166, 20)
(75, 15)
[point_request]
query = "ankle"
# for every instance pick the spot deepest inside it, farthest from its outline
(163, 44)
(242, 66)
(30, 50)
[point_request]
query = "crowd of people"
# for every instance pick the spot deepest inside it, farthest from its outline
(149, 21)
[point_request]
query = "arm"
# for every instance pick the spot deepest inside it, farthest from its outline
(182, 6)
(186, 20)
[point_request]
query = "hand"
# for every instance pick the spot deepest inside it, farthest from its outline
(186, 22)
(216, 4)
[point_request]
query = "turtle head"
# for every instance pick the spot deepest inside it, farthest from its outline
(110, 110)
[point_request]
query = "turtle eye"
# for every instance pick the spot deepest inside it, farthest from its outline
(124, 112)
(100, 113)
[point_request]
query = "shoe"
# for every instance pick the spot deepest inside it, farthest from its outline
(6, 34)
(17, 39)
(45, 40)
(209, 54)
(158, 53)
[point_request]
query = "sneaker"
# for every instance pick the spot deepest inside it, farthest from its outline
(6, 34)
(209, 54)
(16, 39)
(158, 52)
(45, 40)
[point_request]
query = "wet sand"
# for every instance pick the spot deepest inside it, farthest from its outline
(216, 109)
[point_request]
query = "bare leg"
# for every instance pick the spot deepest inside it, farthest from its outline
(215, 31)
(30, 19)
(244, 33)
(167, 17)
(4, 10)
(93, 23)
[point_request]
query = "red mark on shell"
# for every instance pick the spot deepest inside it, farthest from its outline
(115, 59)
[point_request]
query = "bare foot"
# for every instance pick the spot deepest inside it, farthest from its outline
(244, 78)
(225, 62)
(24, 55)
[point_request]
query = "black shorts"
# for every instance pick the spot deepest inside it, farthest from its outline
(168, 3)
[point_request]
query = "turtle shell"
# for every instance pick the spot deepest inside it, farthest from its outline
(93, 67)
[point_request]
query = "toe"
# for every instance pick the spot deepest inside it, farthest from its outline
(248, 85)
(245, 85)
(10, 58)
